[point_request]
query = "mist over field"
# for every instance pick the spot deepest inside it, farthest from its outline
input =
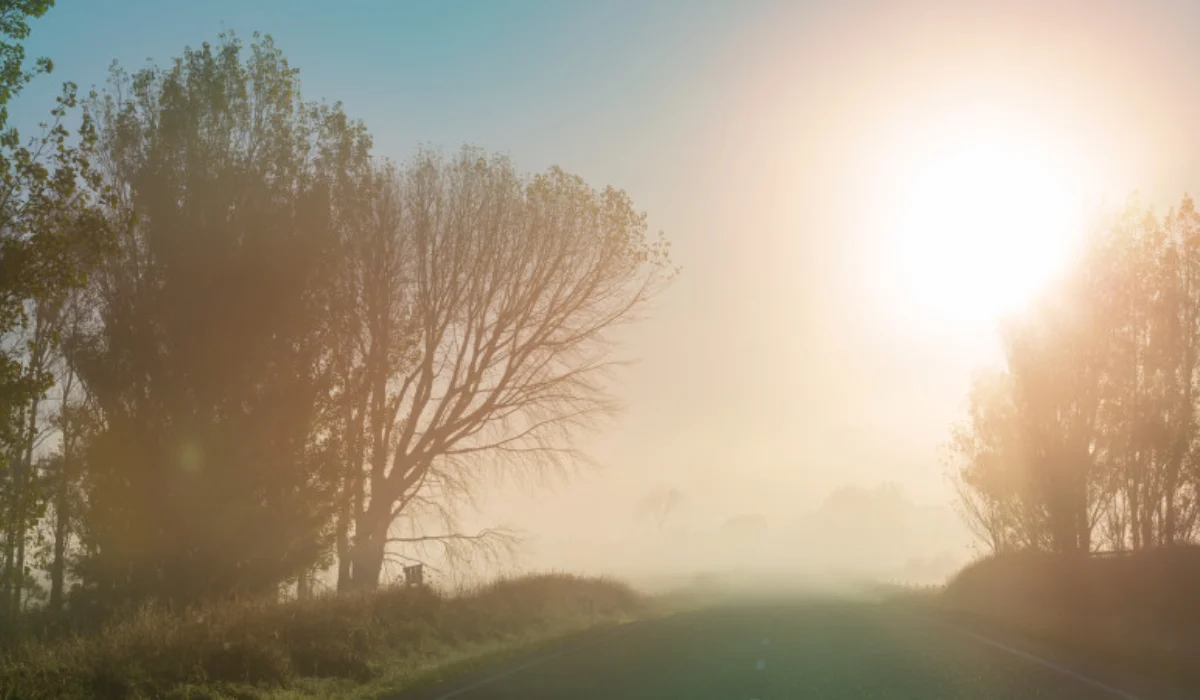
(855, 534)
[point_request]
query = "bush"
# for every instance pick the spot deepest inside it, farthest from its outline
(239, 647)
(1138, 607)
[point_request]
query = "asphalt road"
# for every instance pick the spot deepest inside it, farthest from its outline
(822, 650)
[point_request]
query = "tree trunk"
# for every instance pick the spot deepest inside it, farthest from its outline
(62, 509)
(19, 586)
(350, 508)
(61, 532)
(10, 551)
(1147, 523)
(1182, 441)
(1169, 516)
(343, 546)
(1133, 508)
(15, 545)
(370, 545)
(1083, 529)
(23, 505)
(368, 563)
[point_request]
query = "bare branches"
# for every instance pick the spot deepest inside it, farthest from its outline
(500, 296)
(485, 535)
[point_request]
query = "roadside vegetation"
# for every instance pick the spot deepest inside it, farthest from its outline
(357, 645)
(1138, 610)
(1078, 464)
(249, 367)
(1088, 438)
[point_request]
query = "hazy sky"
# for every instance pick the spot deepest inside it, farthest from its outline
(773, 142)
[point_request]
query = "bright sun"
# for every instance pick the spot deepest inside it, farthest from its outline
(985, 219)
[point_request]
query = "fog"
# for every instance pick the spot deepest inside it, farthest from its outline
(854, 534)
(786, 383)
(787, 362)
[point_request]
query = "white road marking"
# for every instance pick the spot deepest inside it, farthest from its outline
(761, 664)
(517, 669)
(1051, 665)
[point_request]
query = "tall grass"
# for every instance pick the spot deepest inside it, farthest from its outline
(245, 649)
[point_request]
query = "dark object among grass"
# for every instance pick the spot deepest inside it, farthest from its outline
(261, 646)
(1141, 609)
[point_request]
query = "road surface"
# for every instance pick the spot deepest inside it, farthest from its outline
(821, 650)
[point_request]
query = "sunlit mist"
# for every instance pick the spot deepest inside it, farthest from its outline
(385, 302)
(987, 213)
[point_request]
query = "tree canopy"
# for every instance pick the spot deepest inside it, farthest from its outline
(246, 350)
(55, 224)
(1088, 437)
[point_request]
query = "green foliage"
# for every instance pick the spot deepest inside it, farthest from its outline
(54, 227)
(14, 28)
(250, 647)
(264, 345)
(209, 476)
(52, 223)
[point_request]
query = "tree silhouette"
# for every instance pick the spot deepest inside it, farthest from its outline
(53, 225)
(285, 351)
(479, 307)
(1089, 434)
(209, 359)
(660, 504)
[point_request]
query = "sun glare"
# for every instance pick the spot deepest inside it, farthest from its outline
(985, 219)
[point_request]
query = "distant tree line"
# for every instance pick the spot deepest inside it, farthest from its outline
(1088, 439)
(239, 349)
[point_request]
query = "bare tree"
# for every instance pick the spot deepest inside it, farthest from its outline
(659, 504)
(73, 421)
(478, 306)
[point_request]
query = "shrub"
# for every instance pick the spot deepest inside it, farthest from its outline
(233, 648)
(1139, 607)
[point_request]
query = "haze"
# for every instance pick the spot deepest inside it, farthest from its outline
(816, 338)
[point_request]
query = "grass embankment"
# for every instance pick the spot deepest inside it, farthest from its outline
(1140, 610)
(348, 646)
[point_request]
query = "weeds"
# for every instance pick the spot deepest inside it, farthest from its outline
(252, 648)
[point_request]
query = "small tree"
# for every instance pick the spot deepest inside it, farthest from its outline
(988, 466)
(660, 504)
(53, 225)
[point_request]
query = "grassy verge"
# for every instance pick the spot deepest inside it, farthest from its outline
(350, 646)
(1140, 611)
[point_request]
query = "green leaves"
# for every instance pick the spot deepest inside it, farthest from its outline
(14, 28)
(54, 226)
(266, 327)
(210, 361)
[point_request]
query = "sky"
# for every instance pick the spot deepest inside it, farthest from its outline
(775, 143)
